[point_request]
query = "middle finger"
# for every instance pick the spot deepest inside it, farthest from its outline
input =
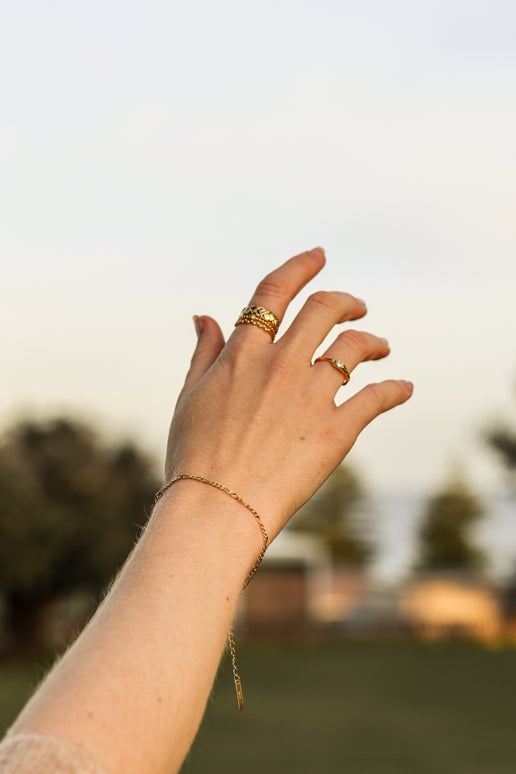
(319, 314)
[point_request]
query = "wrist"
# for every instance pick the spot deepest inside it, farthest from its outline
(211, 521)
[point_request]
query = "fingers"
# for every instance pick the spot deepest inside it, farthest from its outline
(210, 342)
(370, 402)
(351, 348)
(319, 314)
(278, 288)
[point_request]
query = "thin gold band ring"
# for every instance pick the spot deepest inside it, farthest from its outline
(338, 365)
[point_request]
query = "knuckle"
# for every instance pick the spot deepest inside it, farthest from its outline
(272, 286)
(324, 299)
(376, 397)
(280, 366)
(238, 356)
(356, 341)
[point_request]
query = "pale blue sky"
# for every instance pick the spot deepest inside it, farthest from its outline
(157, 158)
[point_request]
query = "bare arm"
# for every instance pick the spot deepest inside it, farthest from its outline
(261, 419)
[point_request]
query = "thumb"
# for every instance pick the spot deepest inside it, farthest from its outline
(210, 342)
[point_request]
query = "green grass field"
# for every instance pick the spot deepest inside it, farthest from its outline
(17, 681)
(363, 708)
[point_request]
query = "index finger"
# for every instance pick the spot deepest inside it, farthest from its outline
(278, 288)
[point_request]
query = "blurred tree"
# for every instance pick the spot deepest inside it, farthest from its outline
(445, 539)
(70, 510)
(331, 514)
(502, 439)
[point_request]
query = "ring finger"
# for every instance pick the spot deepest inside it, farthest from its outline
(349, 349)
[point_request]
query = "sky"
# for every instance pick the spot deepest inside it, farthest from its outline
(158, 158)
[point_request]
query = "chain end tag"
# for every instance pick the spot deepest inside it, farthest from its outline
(239, 694)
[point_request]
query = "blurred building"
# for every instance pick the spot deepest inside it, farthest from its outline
(278, 601)
(299, 593)
(452, 605)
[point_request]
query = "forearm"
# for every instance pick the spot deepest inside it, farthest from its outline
(143, 669)
(262, 419)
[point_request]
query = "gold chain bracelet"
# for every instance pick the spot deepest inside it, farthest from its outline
(231, 636)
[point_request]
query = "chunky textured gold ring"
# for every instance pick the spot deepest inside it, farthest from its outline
(258, 315)
(338, 365)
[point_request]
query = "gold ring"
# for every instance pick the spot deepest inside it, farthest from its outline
(258, 315)
(338, 365)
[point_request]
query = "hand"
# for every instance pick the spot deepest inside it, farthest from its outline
(258, 417)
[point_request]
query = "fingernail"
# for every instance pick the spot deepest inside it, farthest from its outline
(319, 250)
(409, 386)
(199, 324)
(385, 341)
(361, 301)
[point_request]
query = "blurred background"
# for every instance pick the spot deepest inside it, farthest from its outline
(156, 160)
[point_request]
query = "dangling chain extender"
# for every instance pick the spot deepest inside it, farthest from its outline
(231, 636)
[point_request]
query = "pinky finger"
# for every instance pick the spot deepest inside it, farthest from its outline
(210, 343)
(373, 400)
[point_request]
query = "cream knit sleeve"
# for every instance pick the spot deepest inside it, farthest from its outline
(41, 754)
